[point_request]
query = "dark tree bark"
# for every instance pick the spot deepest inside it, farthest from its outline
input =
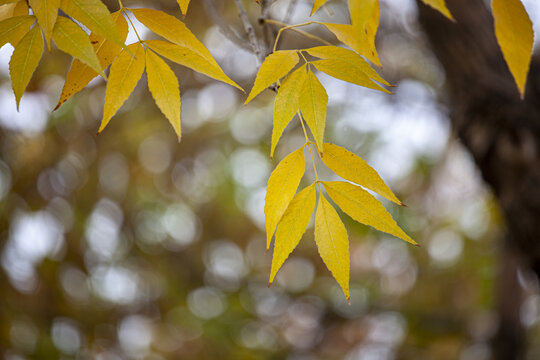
(502, 133)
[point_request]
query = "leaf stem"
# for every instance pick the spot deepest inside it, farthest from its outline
(133, 26)
(120, 4)
(308, 143)
(305, 33)
(290, 27)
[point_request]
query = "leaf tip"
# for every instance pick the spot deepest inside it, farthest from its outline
(404, 205)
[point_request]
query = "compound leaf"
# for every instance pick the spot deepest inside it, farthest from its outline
(333, 243)
(353, 168)
(25, 60)
(281, 188)
(364, 208)
(163, 85)
(287, 103)
(515, 36)
(80, 74)
(292, 226)
(126, 70)
(313, 101)
(275, 66)
(71, 39)
(46, 12)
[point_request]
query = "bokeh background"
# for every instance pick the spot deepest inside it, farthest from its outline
(132, 245)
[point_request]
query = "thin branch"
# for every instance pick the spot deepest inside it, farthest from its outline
(250, 32)
(304, 33)
(269, 33)
(229, 32)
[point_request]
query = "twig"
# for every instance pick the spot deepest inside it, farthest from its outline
(305, 33)
(229, 32)
(250, 32)
(269, 33)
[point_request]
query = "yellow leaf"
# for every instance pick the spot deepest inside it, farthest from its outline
(13, 8)
(183, 6)
(354, 38)
(171, 29)
(282, 186)
(343, 70)
(440, 6)
(126, 70)
(353, 168)
(292, 226)
(287, 103)
(25, 60)
(316, 5)
(71, 39)
(349, 58)
(364, 208)
(515, 37)
(13, 29)
(80, 74)
(275, 66)
(95, 16)
(46, 12)
(333, 242)
(187, 57)
(313, 101)
(21, 8)
(163, 85)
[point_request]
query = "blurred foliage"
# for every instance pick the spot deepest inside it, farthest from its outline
(130, 245)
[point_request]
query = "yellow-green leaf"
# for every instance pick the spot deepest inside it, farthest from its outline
(171, 29)
(46, 12)
(126, 70)
(187, 57)
(25, 60)
(316, 5)
(333, 242)
(13, 8)
(343, 70)
(313, 100)
(353, 37)
(365, 18)
(183, 6)
(163, 85)
(71, 39)
(13, 29)
(292, 226)
(275, 66)
(80, 74)
(440, 6)
(515, 37)
(21, 8)
(281, 188)
(364, 208)
(349, 58)
(353, 168)
(95, 16)
(287, 103)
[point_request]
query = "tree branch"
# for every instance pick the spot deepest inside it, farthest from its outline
(228, 31)
(254, 42)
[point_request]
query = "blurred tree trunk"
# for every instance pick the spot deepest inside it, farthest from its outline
(502, 133)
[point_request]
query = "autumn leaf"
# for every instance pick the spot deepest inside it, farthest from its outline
(364, 208)
(24, 61)
(313, 101)
(333, 243)
(281, 188)
(365, 17)
(316, 5)
(353, 168)
(71, 39)
(287, 103)
(163, 85)
(440, 6)
(275, 66)
(187, 57)
(95, 16)
(126, 70)
(183, 6)
(346, 65)
(21, 8)
(80, 74)
(292, 226)
(354, 38)
(515, 36)
(13, 29)
(46, 12)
